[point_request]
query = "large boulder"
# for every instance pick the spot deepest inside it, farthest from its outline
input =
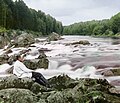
(4, 40)
(40, 62)
(115, 90)
(4, 58)
(23, 40)
(111, 72)
(62, 82)
(12, 59)
(15, 82)
(84, 91)
(83, 42)
(21, 83)
(67, 90)
(108, 73)
(53, 37)
(14, 95)
(116, 72)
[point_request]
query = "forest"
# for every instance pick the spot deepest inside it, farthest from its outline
(16, 15)
(106, 27)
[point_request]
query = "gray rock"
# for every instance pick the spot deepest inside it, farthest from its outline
(14, 95)
(4, 58)
(108, 73)
(41, 101)
(84, 42)
(22, 83)
(36, 88)
(64, 90)
(115, 90)
(4, 40)
(40, 62)
(15, 82)
(116, 72)
(56, 98)
(12, 59)
(53, 37)
(10, 70)
(23, 40)
(62, 82)
(85, 91)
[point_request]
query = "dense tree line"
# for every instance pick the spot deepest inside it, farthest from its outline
(16, 15)
(107, 27)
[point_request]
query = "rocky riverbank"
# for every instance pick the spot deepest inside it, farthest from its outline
(63, 90)
(79, 69)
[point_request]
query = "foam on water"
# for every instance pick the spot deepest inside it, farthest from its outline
(85, 72)
(4, 67)
(52, 65)
(16, 50)
(58, 49)
(112, 78)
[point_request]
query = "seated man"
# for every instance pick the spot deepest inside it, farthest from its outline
(20, 70)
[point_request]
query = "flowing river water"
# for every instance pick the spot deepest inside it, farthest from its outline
(81, 61)
(78, 61)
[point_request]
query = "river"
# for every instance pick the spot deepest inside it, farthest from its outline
(78, 61)
(81, 61)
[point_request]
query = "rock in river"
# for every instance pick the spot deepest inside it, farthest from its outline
(23, 40)
(40, 62)
(53, 37)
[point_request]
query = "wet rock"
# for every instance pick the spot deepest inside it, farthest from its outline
(45, 95)
(4, 40)
(84, 42)
(14, 95)
(93, 84)
(4, 58)
(84, 91)
(62, 82)
(12, 59)
(116, 72)
(8, 50)
(15, 82)
(40, 62)
(64, 90)
(44, 50)
(43, 61)
(108, 73)
(53, 37)
(37, 88)
(31, 64)
(10, 70)
(66, 96)
(115, 90)
(41, 101)
(23, 40)
(22, 83)
(56, 98)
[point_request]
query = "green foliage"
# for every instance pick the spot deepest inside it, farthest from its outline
(87, 28)
(2, 30)
(98, 28)
(115, 23)
(17, 15)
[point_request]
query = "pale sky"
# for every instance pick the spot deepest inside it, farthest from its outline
(71, 11)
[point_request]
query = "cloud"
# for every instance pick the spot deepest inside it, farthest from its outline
(70, 11)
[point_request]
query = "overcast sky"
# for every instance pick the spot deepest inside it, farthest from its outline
(71, 11)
